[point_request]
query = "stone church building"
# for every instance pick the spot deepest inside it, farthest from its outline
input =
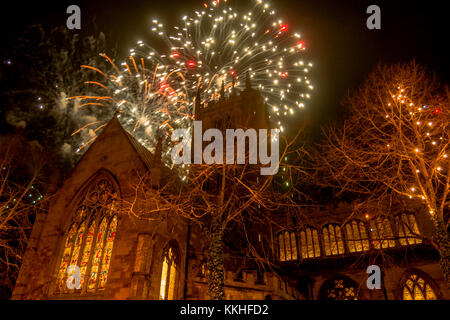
(118, 257)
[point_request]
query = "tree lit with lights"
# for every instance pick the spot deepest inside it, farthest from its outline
(396, 141)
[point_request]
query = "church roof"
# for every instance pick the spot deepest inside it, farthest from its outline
(146, 156)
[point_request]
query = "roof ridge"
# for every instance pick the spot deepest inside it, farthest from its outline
(145, 154)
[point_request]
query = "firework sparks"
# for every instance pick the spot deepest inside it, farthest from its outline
(146, 96)
(154, 90)
(218, 44)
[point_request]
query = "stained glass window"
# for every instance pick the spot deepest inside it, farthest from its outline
(416, 288)
(89, 241)
(309, 243)
(162, 291)
(107, 252)
(356, 233)
(99, 242)
(204, 269)
(381, 233)
(287, 246)
(332, 240)
(293, 246)
(172, 276)
(281, 247)
(339, 288)
(65, 258)
(77, 246)
(408, 230)
(86, 252)
(168, 274)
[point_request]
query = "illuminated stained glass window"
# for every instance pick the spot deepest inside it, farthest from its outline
(99, 242)
(204, 269)
(339, 289)
(86, 252)
(416, 288)
(287, 246)
(357, 240)
(77, 246)
(281, 251)
(65, 258)
(89, 241)
(107, 252)
(309, 243)
(169, 274)
(381, 233)
(332, 240)
(408, 231)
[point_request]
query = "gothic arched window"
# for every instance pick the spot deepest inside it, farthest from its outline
(417, 288)
(287, 246)
(356, 233)
(339, 288)
(408, 230)
(309, 243)
(381, 233)
(169, 273)
(89, 242)
(332, 240)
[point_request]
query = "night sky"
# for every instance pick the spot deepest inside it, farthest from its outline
(338, 42)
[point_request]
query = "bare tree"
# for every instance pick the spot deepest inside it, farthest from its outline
(225, 201)
(395, 141)
(21, 165)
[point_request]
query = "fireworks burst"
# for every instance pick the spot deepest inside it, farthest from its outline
(216, 46)
(147, 96)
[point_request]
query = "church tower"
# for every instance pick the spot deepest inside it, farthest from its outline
(245, 109)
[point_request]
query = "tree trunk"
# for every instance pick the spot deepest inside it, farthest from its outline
(216, 288)
(443, 241)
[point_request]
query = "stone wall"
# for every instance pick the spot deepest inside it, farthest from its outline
(393, 280)
(247, 287)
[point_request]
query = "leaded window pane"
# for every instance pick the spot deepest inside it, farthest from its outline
(303, 245)
(65, 258)
(340, 240)
(341, 289)
(316, 243)
(416, 288)
(85, 241)
(86, 253)
(107, 252)
(326, 241)
(287, 245)
(309, 243)
(293, 246)
(281, 247)
(350, 239)
(408, 230)
(168, 275)
(100, 240)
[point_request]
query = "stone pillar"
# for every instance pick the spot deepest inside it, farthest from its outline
(140, 278)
